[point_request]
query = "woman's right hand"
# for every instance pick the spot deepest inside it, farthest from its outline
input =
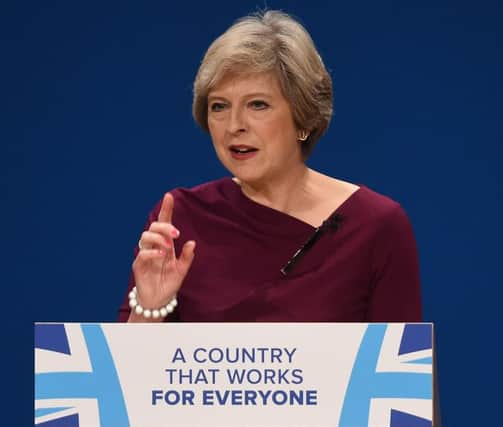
(158, 273)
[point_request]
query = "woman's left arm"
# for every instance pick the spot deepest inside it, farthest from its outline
(395, 292)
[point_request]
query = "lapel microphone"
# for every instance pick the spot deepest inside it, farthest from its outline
(332, 223)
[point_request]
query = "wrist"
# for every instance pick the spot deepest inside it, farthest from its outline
(150, 312)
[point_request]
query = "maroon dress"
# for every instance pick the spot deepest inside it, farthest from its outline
(365, 271)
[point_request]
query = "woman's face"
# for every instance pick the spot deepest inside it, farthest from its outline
(252, 128)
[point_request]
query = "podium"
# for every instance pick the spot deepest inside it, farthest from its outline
(234, 374)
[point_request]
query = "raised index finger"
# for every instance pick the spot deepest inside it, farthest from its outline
(166, 211)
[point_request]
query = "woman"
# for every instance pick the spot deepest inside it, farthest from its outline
(265, 97)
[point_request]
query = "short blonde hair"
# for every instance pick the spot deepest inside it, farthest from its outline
(271, 41)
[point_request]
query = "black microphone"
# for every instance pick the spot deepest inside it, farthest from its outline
(332, 224)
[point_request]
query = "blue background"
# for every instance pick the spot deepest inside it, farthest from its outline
(96, 125)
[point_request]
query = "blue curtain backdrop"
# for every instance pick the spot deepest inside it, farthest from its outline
(96, 126)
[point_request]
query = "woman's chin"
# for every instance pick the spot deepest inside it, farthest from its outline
(246, 179)
(246, 174)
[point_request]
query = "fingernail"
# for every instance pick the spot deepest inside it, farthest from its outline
(175, 232)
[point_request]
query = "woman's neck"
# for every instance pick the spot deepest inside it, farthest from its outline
(286, 194)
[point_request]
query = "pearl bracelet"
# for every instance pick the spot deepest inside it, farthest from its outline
(148, 313)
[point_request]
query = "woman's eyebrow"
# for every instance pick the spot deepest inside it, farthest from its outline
(258, 95)
(248, 95)
(215, 97)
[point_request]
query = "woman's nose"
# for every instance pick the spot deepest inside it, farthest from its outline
(237, 121)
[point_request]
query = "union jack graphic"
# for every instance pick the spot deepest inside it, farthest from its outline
(391, 380)
(76, 383)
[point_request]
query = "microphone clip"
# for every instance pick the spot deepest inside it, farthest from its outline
(332, 224)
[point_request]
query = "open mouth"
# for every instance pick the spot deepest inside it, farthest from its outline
(242, 149)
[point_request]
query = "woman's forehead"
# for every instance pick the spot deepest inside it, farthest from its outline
(242, 83)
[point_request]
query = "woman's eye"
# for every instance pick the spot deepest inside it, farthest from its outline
(217, 106)
(259, 105)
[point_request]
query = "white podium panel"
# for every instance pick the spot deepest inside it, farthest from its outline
(233, 374)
